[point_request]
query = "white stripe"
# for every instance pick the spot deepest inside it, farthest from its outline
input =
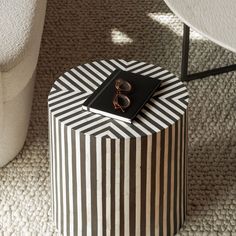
(166, 77)
(166, 89)
(84, 95)
(69, 84)
(73, 118)
(157, 187)
(180, 103)
(108, 65)
(92, 77)
(108, 133)
(156, 120)
(146, 122)
(173, 106)
(89, 82)
(152, 108)
(99, 186)
(98, 129)
(53, 174)
(83, 121)
(148, 185)
(92, 123)
(59, 85)
(173, 92)
(128, 128)
(169, 81)
(59, 184)
(118, 65)
(102, 68)
(127, 62)
(138, 186)
(51, 96)
(108, 187)
(126, 186)
(160, 73)
(71, 181)
(152, 70)
(144, 130)
(181, 96)
(79, 192)
(88, 185)
(64, 183)
(117, 187)
(165, 108)
(62, 97)
(103, 77)
(77, 82)
(135, 66)
(118, 130)
(143, 68)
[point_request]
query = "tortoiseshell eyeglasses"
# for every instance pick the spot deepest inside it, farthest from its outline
(120, 100)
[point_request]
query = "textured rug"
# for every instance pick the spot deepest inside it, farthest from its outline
(82, 31)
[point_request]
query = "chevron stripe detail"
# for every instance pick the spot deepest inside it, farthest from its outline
(113, 178)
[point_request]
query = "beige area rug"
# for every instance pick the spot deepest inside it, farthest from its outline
(82, 31)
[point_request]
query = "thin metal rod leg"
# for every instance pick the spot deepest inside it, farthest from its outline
(185, 53)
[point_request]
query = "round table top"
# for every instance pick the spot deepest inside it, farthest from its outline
(215, 19)
(70, 90)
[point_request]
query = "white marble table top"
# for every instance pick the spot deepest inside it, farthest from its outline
(214, 19)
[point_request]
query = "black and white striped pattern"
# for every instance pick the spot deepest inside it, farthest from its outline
(114, 178)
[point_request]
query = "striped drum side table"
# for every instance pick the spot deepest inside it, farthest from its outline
(113, 178)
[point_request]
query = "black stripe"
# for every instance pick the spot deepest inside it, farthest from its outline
(162, 159)
(180, 172)
(83, 184)
(122, 167)
(155, 72)
(66, 98)
(74, 102)
(156, 125)
(76, 85)
(169, 180)
(125, 130)
(144, 125)
(93, 176)
(58, 96)
(75, 115)
(83, 82)
(59, 81)
(143, 184)
(169, 107)
(163, 92)
(153, 182)
(56, 157)
(138, 67)
(75, 184)
(167, 85)
(87, 77)
(57, 89)
(60, 159)
(99, 70)
(132, 185)
(158, 108)
(104, 185)
(90, 122)
(175, 179)
(112, 174)
(92, 73)
(114, 132)
(105, 66)
(157, 116)
(177, 105)
(67, 193)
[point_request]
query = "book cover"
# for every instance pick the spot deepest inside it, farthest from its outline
(122, 95)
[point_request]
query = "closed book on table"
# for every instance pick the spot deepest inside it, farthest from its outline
(102, 100)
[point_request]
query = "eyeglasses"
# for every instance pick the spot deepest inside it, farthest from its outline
(120, 100)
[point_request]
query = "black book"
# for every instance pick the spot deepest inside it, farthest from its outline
(102, 100)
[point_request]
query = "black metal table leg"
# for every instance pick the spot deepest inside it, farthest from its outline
(184, 65)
